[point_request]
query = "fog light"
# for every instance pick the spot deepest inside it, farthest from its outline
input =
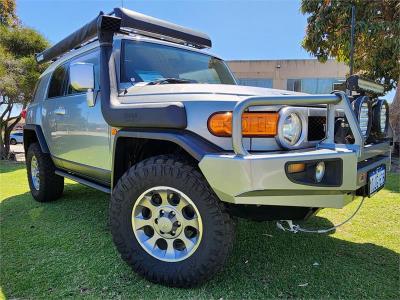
(319, 171)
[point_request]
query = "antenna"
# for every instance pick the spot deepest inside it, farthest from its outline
(353, 25)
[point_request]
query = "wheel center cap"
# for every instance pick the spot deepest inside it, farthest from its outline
(165, 224)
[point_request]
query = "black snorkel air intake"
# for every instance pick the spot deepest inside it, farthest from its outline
(104, 27)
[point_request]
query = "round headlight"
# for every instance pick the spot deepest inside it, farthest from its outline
(290, 129)
(362, 109)
(380, 120)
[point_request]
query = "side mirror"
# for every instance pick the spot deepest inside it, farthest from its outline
(81, 78)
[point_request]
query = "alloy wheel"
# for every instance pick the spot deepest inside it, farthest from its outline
(35, 173)
(167, 224)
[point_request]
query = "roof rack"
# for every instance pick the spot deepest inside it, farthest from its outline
(125, 21)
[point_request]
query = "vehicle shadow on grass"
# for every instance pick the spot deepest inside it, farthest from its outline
(393, 182)
(10, 166)
(64, 249)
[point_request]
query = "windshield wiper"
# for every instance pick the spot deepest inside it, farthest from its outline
(171, 81)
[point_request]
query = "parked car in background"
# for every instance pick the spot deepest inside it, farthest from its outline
(16, 138)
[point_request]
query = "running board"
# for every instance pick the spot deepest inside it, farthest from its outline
(84, 181)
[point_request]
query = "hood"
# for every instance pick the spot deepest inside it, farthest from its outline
(196, 91)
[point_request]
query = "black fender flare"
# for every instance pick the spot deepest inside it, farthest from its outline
(193, 144)
(39, 135)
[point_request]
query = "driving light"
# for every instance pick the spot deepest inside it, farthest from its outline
(290, 130)
(355, 83)
(380, 122)
(362, 109)
(254, 124)
(319, 171)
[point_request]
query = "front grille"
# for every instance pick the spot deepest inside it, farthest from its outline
(316, 128)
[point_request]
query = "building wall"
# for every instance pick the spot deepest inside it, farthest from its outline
(311, 75)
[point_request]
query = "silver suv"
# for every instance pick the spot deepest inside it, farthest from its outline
(132, 106)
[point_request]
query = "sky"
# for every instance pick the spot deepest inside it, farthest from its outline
(263, 29)
(269, 29)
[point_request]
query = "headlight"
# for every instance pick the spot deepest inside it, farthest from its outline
(380, 122)
(290, 129)
(362, 109)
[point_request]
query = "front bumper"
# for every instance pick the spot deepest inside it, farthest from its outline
(262, 178)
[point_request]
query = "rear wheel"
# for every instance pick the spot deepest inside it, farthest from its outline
(44, 184)
(168, 224)
(13, 142)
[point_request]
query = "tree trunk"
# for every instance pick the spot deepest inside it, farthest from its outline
(1, 143)
(7, 132)
(6, 144)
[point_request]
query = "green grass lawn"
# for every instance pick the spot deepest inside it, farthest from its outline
(64, 249)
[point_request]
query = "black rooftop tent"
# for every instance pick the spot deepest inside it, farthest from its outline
(125, 21)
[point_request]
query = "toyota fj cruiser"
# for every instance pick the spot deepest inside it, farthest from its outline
(132, 106)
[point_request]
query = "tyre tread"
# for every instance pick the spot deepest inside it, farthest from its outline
(167, 165)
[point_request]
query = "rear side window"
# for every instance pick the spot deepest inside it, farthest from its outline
(57, 82)
(40, 89)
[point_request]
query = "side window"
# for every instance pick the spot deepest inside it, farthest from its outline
(40, 89)
(57, 82)
(91, 58)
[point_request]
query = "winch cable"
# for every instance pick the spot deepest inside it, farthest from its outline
(294, 228)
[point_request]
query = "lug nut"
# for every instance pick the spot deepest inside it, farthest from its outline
(173, 232)
(179, 224)
(162, 212)
(172, 213)
(156, 221)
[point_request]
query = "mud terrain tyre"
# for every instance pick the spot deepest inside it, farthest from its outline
(44, 184)
(168, 224)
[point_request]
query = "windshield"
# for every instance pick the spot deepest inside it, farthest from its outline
(148, 62)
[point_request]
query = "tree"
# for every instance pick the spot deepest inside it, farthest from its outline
(377, 38)
(19, 72)
(7, 13)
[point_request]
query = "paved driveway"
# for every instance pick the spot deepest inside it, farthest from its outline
(19, 151)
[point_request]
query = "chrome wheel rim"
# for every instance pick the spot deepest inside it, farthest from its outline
(35, 173)
(167, 224)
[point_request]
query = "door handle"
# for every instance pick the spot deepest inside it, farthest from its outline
(60, 111)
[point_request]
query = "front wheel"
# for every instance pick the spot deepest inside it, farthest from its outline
(13, 142)
(168, 224)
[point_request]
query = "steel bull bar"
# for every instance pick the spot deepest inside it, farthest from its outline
(259, 178)
(337, 101)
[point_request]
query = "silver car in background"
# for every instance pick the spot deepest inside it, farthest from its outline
(16, 138)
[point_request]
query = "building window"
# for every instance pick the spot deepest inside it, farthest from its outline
(312, 85)
(258, 82)
(294, 85)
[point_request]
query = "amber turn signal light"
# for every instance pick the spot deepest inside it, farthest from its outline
(114, 131)
(254, 124)
(296, 167)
